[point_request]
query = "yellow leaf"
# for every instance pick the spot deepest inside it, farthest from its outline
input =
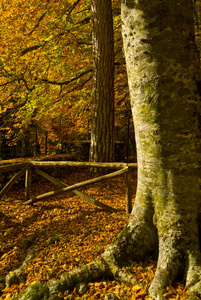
(97, 284)
(169, 294)
(33, 282)
(136, 288)
(4, 255)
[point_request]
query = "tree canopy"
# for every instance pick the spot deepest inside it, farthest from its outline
(46, 69)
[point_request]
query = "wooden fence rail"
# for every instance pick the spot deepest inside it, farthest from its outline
(82, 164)
(7, 187)
(31, 166)
(81, 195)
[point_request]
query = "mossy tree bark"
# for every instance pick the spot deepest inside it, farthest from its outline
(102, 131)
(164, 80)
(164, 75)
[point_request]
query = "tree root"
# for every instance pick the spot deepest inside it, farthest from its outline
(93, 271)
(168, 265)
(193, 278)
(195, 290)
(103, 266)
(135, 242)
(130, 245)
(107, 266)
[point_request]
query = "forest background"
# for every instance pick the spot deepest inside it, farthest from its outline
(46, 66)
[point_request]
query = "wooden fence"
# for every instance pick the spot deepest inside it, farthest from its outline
(28, 167)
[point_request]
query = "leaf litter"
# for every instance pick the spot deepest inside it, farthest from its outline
(79, 231)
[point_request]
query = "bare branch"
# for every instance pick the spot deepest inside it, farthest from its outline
(74, 89)
(32, 48)
(84, 21)
(38, 23)
(73, 6)
(8, 82)
(26, 85)
(68, 81)
(79, 86)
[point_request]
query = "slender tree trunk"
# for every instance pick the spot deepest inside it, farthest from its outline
(0, 144)
(23, 145)
(36, 143)
(102, 131)
(59, 134)
(46, 137)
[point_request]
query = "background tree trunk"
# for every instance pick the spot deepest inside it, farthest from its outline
(36, 143)
(102, 132)
(0, 143)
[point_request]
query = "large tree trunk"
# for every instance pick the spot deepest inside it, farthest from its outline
(163, 70)
(102, 132)
(163, 74)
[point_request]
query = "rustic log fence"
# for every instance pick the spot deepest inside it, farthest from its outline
(28, 168)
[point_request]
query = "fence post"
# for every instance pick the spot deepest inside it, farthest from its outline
(28, 184)
(128, 192)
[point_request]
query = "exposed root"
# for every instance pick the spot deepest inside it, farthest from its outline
(169, 262)
(136, 241)
(193, 278)
(102, 267)
(108, 265)
(121, 276)
(90, 272)
(193, 268)
(195, 290)
(131, 244)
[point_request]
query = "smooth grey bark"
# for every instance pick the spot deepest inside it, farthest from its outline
(102, 131)
(164, 80)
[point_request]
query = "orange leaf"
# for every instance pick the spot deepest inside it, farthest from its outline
(141, 294)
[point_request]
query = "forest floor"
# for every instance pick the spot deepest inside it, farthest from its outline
(84, 230)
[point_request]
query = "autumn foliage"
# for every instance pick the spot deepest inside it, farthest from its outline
(46, 72)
